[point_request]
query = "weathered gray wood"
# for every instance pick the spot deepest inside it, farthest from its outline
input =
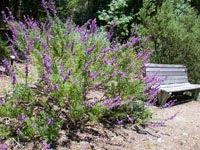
(167, 73)
(180, 88)
(174, 79)
(164, 65)
(163, 97)
(166, 69)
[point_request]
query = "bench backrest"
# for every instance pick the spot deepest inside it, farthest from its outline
(169, 73)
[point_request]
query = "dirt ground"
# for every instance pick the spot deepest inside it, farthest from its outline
(180, 133)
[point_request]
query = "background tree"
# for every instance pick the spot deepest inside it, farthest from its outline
(175, 35)
(196, 5)
(123, 14)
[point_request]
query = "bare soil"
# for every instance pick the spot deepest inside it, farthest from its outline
(180, 133)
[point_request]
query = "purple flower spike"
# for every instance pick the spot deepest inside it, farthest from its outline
(51, 121)
(56, 87)
(6, 65)
(87, 64)
(45, 146)
(33, 125)
(89, 50)
(14, 52)
(22, 118)
(5, 18)
(169, 104)
(14, 78)
(26, 70)
(93, 75)
(52, 7)
(119, 122)
(2, 101)
(130, 118)
(4, 146)
(18, 131)
(44, 5)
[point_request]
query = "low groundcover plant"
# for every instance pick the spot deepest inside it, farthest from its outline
(72, 61)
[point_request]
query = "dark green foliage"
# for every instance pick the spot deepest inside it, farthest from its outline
(175, 35)
(4, 49)
(123, 14)
(196, 5)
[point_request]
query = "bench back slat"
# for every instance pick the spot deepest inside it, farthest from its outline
(171, 74)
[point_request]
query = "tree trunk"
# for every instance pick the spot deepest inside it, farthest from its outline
(18, 5)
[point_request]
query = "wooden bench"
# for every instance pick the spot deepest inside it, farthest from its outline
(175, 80)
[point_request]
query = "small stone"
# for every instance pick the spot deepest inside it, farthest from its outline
(185, 133)
(159, 140)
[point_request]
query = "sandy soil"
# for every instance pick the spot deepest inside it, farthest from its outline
(180, 133)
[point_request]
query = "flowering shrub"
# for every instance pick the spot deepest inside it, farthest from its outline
(72, 61)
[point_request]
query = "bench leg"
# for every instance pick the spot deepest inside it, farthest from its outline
(163, 97)
(195, 94)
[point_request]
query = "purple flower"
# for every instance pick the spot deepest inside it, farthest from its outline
(22, 118)
(89, 50)
(44, 5)
(52, 7)
(119, 122)
(111, 31)
(30, 22)
(33, 125)
(162, 123)
(56, 87)
(47, 63)
(133, 41)
(75, 81)
(108, 62)
(92, 103)
(48, 90)
(93, 26)
(14, 52)
(5, 18)
(30, 45)
(108, 102)
(45, 146)
(130, 118)
(115, 42)
(45, 76)
(93, 75)
(18, 131)
(156, 124)
(42, 43)
(95, 86)
(26, 70)
(119, 73)
(4, 146)
(87, 64)
(51, 121)
(26, 57)
(6, 65)
(67, 76)
(10, 14)
(2, 101)
(14, 78)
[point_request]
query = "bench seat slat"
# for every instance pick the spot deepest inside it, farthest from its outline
(180, 88)
(172, 73)
(164, 65)
(183, 69)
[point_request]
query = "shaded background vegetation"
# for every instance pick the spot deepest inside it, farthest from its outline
(174, 25)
